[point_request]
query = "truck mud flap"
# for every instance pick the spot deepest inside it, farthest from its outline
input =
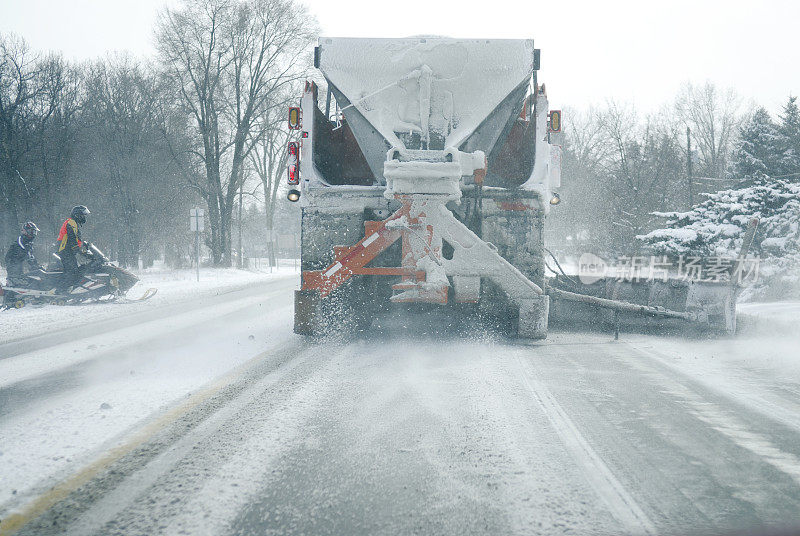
(307, 312)
(533, 318)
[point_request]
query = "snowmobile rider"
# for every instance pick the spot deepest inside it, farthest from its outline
(69, 243)
(21, 253)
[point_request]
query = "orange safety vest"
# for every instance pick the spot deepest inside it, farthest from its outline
(63, 236)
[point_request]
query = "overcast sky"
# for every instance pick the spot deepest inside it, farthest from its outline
(640, 51)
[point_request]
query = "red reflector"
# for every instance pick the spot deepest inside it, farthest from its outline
(293, 175)
(294, 152)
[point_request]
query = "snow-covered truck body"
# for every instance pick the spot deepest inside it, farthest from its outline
(425, 173)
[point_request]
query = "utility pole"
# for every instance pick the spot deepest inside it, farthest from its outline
(689, 165)
(197, 254)
(196, 224)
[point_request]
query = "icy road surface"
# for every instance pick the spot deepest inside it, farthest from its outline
(223, 422)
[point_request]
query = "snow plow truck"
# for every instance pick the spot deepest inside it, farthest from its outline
(425, 168)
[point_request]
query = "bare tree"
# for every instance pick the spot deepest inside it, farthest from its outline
(20, 85)
(574, 224)
(93, 135)
(713, 118)
(643, 174)
(53, 128)
(122, 120)
(269, 155)
(227, 58)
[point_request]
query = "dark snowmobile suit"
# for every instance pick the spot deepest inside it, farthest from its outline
(19, 254)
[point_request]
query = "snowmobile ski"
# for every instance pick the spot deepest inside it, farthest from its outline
(149, 293)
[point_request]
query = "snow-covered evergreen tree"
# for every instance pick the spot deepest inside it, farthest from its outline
(759, 147)
(716, 227)
(789, 141)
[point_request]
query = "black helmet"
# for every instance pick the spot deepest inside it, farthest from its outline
(79, 214)
(29, 231)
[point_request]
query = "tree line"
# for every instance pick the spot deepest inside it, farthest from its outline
(141, 141)
(203, 122)
(766, 164)
(684, 181)
(620, 168)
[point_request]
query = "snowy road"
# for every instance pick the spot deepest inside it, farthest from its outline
(394, 434)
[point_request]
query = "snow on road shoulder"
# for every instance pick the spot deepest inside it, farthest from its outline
(66, 405)
(29, 365)
(769, 317)
(759, 369)
(173, 287)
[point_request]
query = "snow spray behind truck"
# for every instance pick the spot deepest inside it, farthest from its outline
(425, 171)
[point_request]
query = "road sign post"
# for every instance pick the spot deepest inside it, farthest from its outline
(196, 224)
(271, 248)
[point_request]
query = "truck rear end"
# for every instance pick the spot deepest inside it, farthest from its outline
(425, 174)
(426, 169)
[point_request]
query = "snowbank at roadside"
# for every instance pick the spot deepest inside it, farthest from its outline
(68, 403)
(174, 286)
(769, 317)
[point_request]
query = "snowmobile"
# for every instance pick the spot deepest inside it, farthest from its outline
(100, 281)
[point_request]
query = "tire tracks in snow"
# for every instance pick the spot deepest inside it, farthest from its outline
(25, 366)
(619, 502)
(731, 424)
(754, 394)
(98, 493)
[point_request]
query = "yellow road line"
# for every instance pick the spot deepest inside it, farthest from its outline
(44, 502)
